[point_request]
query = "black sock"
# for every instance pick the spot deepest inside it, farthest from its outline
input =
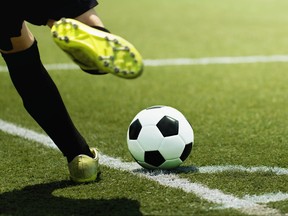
(43, 102)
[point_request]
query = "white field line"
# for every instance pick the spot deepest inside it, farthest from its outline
(265, 198)
(183, 61)
(247, 205)
(217, 169)
(216, 60)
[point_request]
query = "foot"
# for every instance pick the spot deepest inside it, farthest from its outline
(84, 168)
(96, 51)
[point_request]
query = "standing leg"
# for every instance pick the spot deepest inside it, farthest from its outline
(42, 99)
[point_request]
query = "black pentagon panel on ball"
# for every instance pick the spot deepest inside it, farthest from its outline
(134, 130)
(168, 126)
(187, 151)
(153, 158)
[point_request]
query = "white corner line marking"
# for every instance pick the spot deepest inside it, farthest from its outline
(216, 60)
(247, 206)
(183, 61)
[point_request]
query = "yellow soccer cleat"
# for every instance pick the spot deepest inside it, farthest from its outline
(84, 168)
(96, 51)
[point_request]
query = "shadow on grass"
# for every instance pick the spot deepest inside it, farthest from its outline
(177, 170)
(39, 200)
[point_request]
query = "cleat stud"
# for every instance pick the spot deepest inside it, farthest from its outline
(107, 38)
(63, 20)
(116, 70)
(116, 41)
(66, 39)
(111, 57)
(101, 58)
(132, 55)
(55, 34)
(106, 63)
(126, 48)
(75, 26)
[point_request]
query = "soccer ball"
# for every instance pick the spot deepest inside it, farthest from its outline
(160, 137)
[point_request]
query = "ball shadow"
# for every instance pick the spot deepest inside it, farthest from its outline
(178, 170)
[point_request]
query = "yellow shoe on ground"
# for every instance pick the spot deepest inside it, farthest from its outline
(84, 168)
(96, 51)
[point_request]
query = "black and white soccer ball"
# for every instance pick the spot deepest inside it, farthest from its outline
(160, 137)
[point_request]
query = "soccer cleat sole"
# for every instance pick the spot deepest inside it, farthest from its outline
(93, 49)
